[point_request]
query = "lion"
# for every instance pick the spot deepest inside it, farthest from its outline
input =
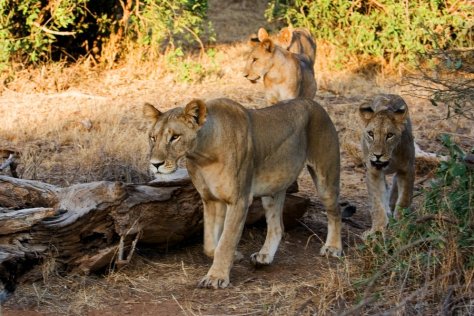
(234, 154)
(388, 148)
(285, 75)
(296, 40)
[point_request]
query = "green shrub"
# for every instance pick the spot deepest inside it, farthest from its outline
(389, 30)
(34, 30)
(189, 70)
(452, 194)
(174, 23)
(29, 28)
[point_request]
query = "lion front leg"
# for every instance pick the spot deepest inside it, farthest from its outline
(218, 274)
(273, 213)
(379, 201)
(214, 215)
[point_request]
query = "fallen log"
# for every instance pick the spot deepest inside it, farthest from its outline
(10, 157)
(93, 226)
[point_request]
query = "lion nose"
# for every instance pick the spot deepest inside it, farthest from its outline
(158, 164)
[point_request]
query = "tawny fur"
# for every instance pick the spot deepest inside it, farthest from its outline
(234, 154)
(285, 75)
(296, 40)
(388, 148)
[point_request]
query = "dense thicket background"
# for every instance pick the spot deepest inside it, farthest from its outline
(388, 31)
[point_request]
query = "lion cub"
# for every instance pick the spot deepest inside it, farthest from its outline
(388, 147)
(296, 40)
(285, 75)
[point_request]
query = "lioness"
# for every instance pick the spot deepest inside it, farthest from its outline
(388, 147)
(296, 40)
(285, 75)
(234, 154)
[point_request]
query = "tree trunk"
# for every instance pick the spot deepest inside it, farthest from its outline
(93, 226)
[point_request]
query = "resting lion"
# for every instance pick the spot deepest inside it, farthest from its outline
(296, 40)
(234, 154)
(388, 147)
(285, 75)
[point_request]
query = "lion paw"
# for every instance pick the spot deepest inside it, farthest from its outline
(213, 282)
(328, 250)
(259, 259)
(209, 252)
(372, 233)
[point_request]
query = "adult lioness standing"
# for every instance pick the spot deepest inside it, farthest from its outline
(388, 147)
(285, 75)
(234, 154)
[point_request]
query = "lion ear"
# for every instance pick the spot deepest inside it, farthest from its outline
(262, 34)
(285, 36)
(401, 113)
(268, 45)
(197, 110)
(366, 112)
(149, 111)
(253, 40)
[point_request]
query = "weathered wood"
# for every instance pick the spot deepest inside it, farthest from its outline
(10, 157)
(92, 226)
(19, 193)
(21, 220)
(10, 163)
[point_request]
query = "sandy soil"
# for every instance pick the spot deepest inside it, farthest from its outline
(157, 283)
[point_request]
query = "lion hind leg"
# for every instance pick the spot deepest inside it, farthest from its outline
(328, 189)
(273, 206)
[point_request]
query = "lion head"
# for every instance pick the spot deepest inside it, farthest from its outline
(384, 122)
(260, 60)
(173, 134)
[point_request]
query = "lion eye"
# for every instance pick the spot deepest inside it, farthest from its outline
(153, 139)
(371, 134)
(174, 138)
(389, 135)
(255, 59)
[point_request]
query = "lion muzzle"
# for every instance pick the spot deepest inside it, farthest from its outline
(379, 165)
(252, 80)
(161, 167)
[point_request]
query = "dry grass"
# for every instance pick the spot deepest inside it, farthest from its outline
(80, 123)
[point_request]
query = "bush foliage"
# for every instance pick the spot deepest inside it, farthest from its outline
(388, 30)
(41, 30)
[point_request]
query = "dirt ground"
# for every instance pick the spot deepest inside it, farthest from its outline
(299, 282)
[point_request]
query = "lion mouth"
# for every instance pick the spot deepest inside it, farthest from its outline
(159, 169)
(165, 171)
(177, 174)
(379, 164)
(254, 80)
